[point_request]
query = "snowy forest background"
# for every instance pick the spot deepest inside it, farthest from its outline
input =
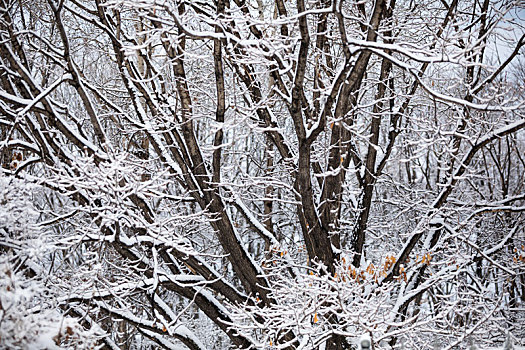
(262, 174)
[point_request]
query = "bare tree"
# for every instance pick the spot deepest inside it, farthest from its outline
(256, 174)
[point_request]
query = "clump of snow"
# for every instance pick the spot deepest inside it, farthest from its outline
(29, 321)
(17, 215)
(29, 315)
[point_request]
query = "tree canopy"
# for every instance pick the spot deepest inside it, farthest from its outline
(269, 174)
